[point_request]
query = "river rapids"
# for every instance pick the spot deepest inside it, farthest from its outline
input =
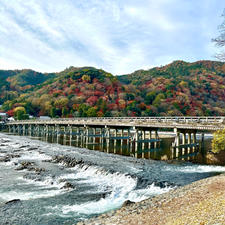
(46, 183)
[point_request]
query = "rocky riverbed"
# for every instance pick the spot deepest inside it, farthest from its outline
(199, 203)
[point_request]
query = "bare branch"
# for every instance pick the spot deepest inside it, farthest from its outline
(220, 40)
(220, 56)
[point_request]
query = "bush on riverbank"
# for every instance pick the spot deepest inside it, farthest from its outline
(217, 156)
(218, 142)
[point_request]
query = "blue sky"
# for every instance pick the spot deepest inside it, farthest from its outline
(119, 36)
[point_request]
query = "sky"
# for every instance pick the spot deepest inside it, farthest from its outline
(119, 36)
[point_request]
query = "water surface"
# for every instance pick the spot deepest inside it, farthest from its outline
(98, 182)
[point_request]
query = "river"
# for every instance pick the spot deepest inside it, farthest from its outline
(58, 184)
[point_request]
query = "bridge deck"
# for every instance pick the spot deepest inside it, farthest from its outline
(195, 123)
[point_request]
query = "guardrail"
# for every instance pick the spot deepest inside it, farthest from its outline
(204, 120)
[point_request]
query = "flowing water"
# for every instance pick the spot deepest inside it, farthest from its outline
(55, 184)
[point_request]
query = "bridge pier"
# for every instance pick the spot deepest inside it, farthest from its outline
(143, 147)
(185, 148)
(143, 144)
(202, 144)
(14, 129)
(20, 129)
(140, 134)
(57, 134)
(114, 141)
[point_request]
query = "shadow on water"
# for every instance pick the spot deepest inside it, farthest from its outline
(126, 147)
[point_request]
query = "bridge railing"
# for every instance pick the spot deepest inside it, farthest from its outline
(201, 120)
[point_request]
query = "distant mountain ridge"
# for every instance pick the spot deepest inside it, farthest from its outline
(175, 68)
(176, 89)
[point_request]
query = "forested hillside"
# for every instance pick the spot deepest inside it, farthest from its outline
(15, 82)
(177, 89)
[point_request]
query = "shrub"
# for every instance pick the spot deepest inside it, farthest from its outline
(218, 142)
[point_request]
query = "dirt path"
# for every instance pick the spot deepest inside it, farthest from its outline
(202, 202)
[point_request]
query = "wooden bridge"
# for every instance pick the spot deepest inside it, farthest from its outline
(196, 123)
(139, 131)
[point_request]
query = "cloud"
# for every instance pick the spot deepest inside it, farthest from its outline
(115, 35)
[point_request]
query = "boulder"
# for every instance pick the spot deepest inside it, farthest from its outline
(215, 158)
(68, 185)
(25, 165)
(14, 201)
(127, 202)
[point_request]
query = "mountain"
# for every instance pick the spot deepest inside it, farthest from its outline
(177, 89)
(182, 88)
(15, 82)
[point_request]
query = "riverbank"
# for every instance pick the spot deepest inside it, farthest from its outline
(202, 202)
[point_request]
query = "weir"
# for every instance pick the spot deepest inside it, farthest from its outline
(139, 136)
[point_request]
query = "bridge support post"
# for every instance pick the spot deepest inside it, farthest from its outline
(182, 150)
(202, 144)
(107, 136)
(81, 136)
(41, 130)
(21, 129)
(52, 133)
(18, 130)
(30, 130)
(24, 130)
(64, 136)
(119, 134)
(14, 129)
(76, 133)
(57, 134)
(101, 140)
(136, 138)
(70, 134)
(147, 137)
(143, 144)
(150, 154)
(129, 146)
(194, 139)
(107, 145)
(9, 126)
(189, 142)
(115, 141)
(154, 145)
(195, 142)
(38, 130)
(86, 135)
(177, 142)
(35, 131)
(46, 132)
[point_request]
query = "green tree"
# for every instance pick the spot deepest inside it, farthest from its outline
(64, 111)
(7, 105)
(92, 112)
(82, 109)
(53, 112)
(218, 142)
(150, 97)
(158, 99)
(20, 113)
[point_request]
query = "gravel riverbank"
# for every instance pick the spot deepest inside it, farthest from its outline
(202, 202)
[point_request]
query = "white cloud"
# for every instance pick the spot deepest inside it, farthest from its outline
(115, 35)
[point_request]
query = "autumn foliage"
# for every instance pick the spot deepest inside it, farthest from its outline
(177, 89)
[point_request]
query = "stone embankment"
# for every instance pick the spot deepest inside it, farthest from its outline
(199, 203)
